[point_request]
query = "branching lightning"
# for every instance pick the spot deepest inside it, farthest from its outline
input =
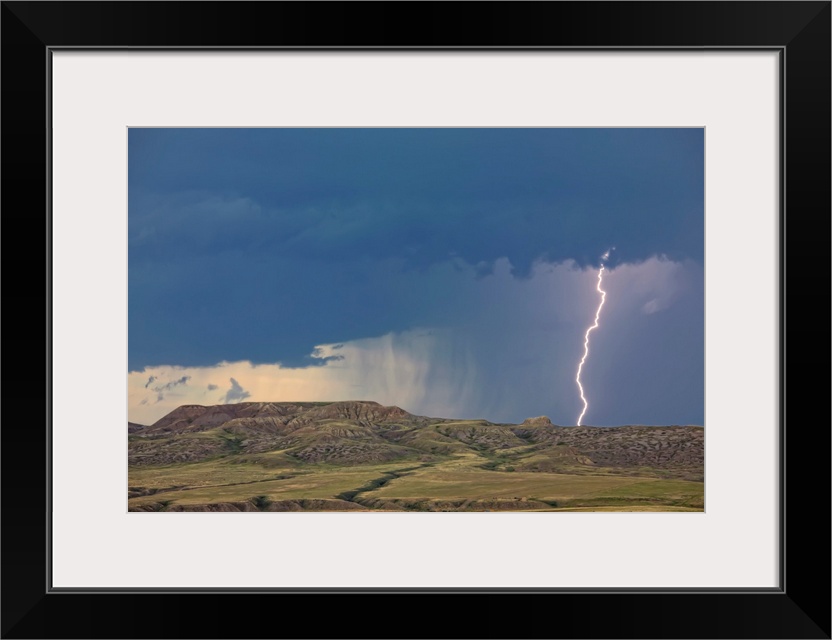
(603, 293)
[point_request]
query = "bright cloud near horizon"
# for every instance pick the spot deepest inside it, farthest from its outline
(450, 272)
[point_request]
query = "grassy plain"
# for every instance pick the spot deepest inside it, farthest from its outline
(448, 483)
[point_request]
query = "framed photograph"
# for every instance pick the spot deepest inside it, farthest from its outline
(378, 289)
(499, 310)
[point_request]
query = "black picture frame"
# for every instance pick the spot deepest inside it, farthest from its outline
(799, 31)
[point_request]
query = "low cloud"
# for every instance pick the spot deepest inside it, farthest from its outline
(235, 394)
(161, 389)
(170, 385)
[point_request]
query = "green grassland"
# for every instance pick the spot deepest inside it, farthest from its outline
(453, 484)
(329, 457)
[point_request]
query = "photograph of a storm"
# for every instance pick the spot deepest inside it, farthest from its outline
(464, 273)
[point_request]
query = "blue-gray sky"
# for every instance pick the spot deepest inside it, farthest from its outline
(457, 267)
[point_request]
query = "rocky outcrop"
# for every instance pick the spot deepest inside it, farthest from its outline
(193, 418)
(540, 421)
(362, 412)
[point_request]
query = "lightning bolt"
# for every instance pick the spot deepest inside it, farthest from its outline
(586, 337)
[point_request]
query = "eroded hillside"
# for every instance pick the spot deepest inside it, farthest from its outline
(261, 456)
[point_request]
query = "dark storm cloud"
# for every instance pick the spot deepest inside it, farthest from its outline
(525, 337)
(260, 244)
(648, 359)
(421, 193)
